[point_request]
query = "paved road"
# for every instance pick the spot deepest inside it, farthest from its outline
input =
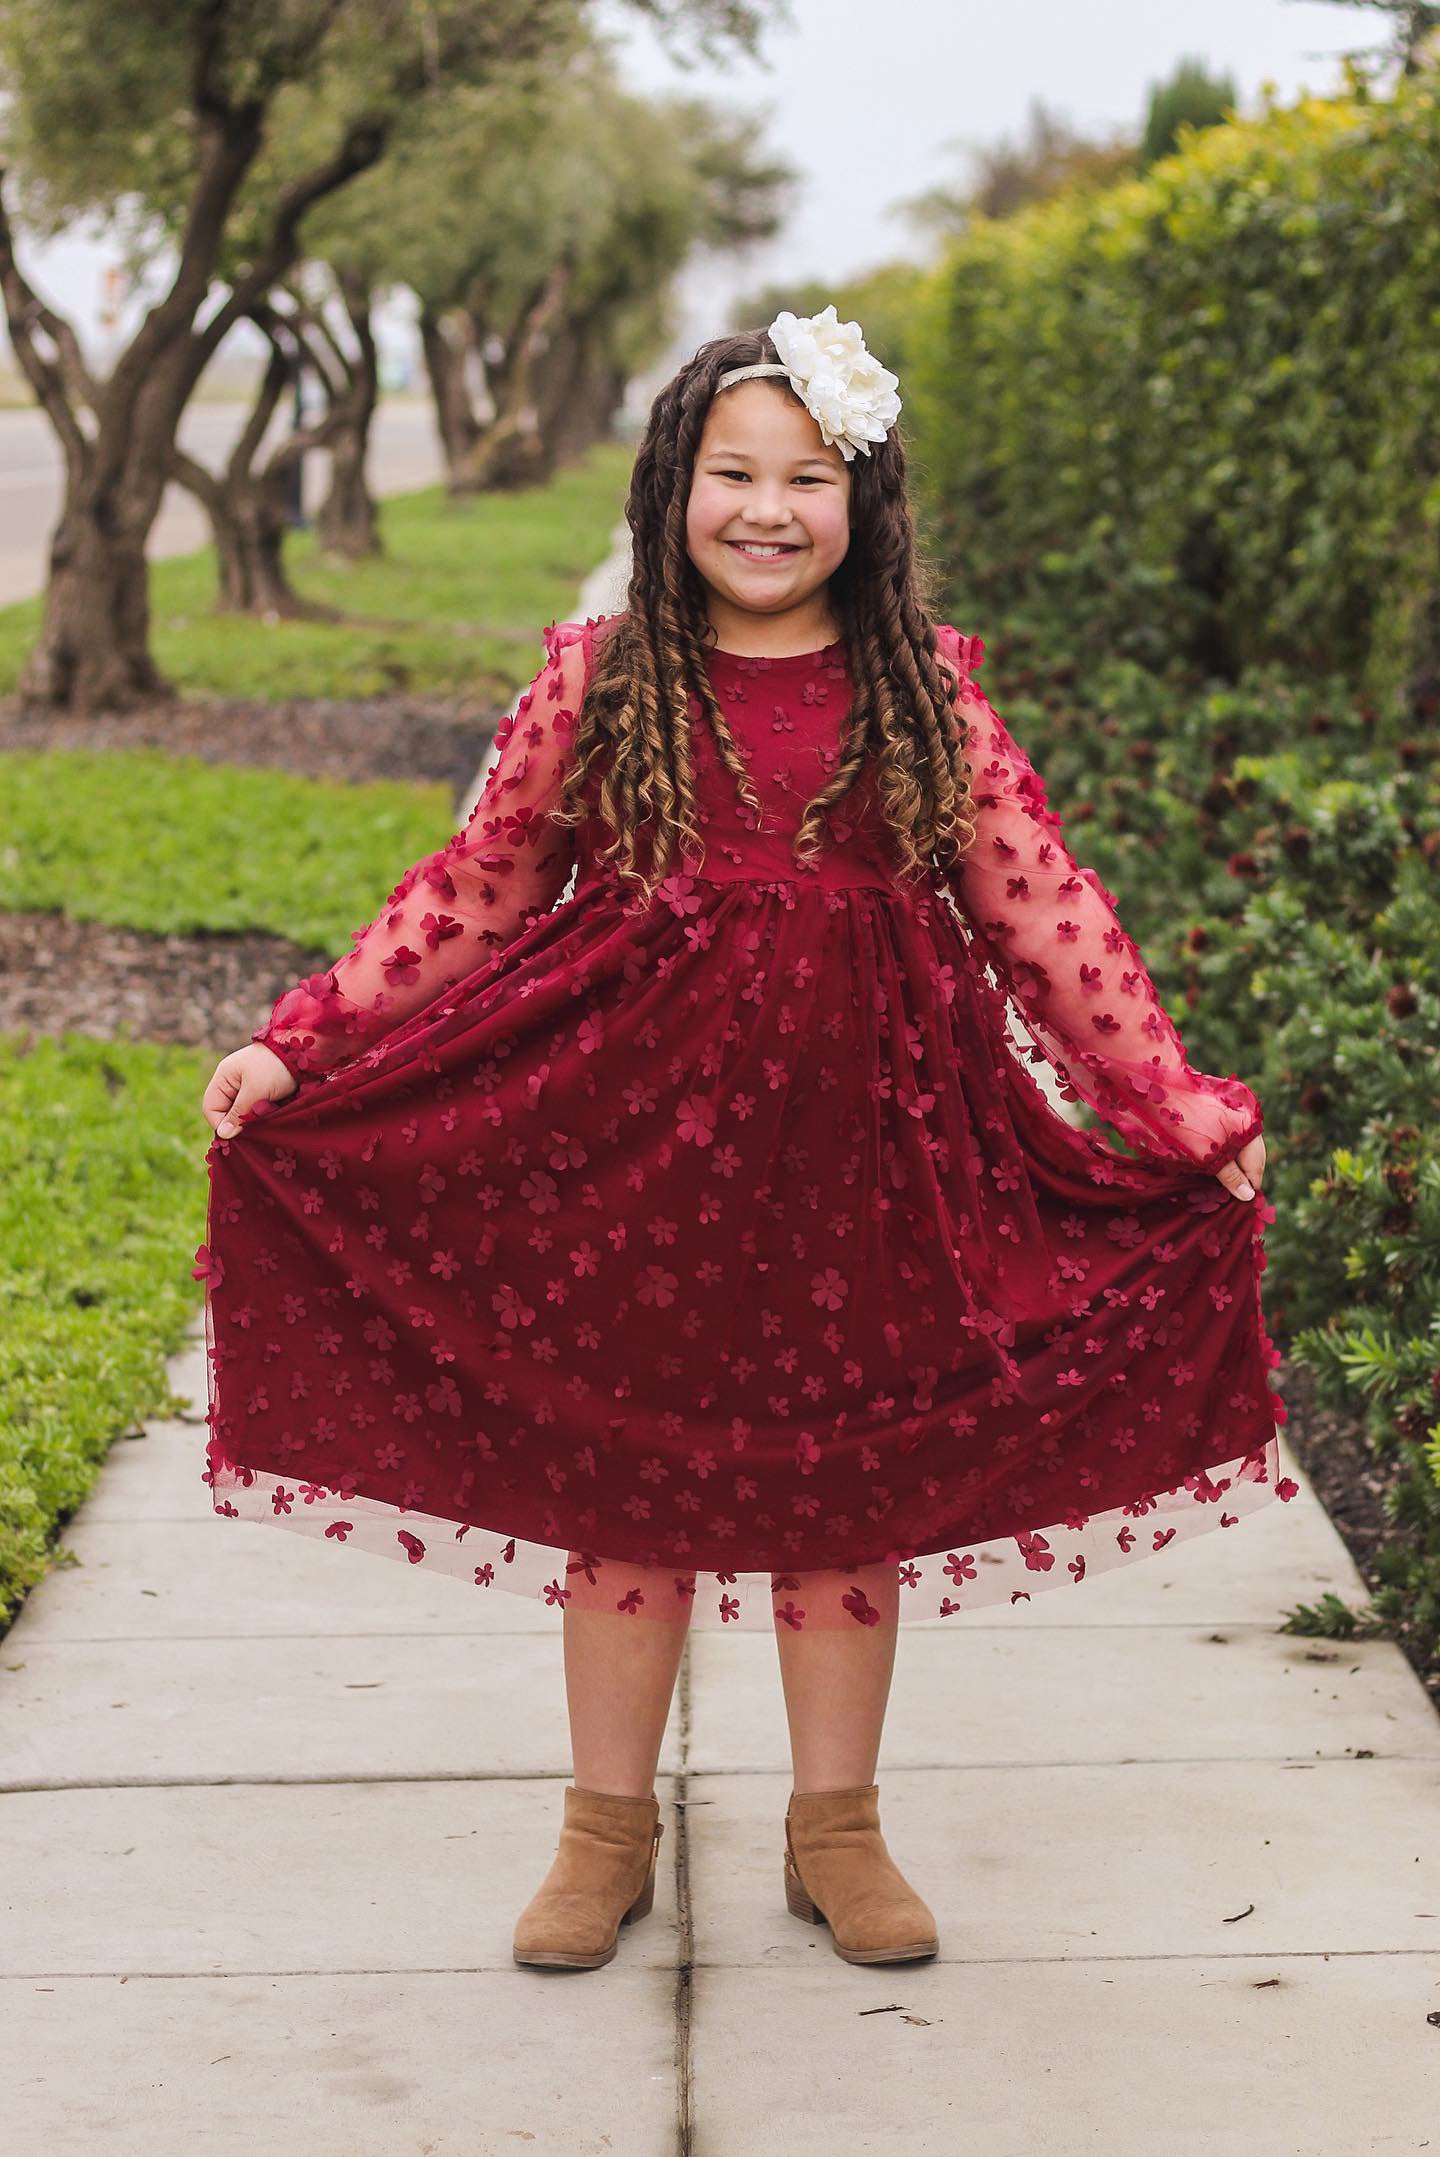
(404, 455)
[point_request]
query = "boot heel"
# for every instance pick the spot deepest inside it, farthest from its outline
(644, 1902)
(797, 1902)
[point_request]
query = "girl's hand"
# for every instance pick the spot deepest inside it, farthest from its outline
(1246, 1170)
(242, 1078)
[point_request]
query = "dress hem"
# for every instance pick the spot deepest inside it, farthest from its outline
(938, 1585)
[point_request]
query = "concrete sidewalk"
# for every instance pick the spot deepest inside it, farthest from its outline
(268, 1814)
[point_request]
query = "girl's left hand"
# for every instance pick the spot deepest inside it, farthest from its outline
(248, 1074)
(1246, 1173)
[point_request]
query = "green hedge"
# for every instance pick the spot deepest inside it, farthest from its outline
(1197, 414)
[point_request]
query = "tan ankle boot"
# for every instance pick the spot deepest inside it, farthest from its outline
(602, 1877)
(839, 1872)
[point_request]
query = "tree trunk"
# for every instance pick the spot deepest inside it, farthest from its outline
(455, 421)
(247, 521)
(348, 522)
(93, 653)
(579, 393)
(510, 452)
(249, 537)
(272, 595)
(507, 455)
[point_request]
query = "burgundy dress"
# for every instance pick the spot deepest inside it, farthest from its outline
(724, 1256)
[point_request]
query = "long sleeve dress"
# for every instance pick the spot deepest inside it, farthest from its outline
(724, 1257)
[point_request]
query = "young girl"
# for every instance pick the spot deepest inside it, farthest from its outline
(702, 1249)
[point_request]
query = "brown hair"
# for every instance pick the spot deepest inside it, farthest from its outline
(634, 724)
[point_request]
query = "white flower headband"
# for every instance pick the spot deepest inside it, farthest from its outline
(848, 394)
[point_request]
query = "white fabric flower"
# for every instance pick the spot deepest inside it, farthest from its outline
(849, 395)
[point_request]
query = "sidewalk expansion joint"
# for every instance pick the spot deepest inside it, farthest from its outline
(685, 1925)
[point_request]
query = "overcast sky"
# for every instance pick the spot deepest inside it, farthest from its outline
(871, 100)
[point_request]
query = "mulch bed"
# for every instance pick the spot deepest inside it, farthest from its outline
(1340, 1464)
(85, 977)
(357, 738)
(107, 982)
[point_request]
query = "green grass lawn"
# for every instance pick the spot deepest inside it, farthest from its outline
(226, 846)
(456, 603)
(102, 1204)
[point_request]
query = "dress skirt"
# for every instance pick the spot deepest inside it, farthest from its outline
(722, 1259)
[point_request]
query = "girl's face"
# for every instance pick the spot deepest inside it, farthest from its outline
(765, 479)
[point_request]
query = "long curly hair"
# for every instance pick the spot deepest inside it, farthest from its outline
(634, 727)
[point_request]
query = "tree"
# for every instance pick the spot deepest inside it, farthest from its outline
(317, 320)
(248, 501)
(723, 191)
(92, 95)
(1414, 42)
(1007, 177)
(348, 522)
(1190, 98)
(608, 199)
(544, 263)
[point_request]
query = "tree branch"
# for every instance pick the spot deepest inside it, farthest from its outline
(231, 146)
(363, 146)
(272, 389)
(24, 311)
(322, 431)
(231, 135)
(205, 487)
(307, 323)
(207, 98)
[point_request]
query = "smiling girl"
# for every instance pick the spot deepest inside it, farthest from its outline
(700, 1248)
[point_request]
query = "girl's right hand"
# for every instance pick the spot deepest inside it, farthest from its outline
(1244, 1175)
(242, 1078)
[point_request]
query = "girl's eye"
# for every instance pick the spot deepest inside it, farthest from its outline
(817, 477)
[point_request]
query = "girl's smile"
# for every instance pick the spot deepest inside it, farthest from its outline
(758, 551)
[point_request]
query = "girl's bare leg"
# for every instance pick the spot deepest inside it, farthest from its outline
(837, 1684)
(619, 1677)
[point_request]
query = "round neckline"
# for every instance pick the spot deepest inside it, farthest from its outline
(777, 659)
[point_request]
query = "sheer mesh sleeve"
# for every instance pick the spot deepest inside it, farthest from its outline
(450, 910)
(1049, 929)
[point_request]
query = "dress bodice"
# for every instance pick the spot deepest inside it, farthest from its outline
(1044, 922)
(787, 717)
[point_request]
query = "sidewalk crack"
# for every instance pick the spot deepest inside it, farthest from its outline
(685, 1965)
